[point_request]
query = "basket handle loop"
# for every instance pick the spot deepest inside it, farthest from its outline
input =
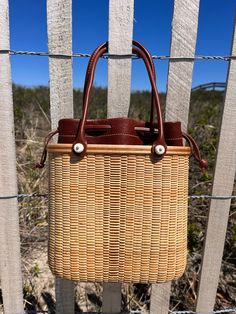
(80, 144)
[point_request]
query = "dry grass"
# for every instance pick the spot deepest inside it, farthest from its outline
(37, 278)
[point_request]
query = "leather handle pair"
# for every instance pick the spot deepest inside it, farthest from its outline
(150, 60)
(80, 144)
(149, 57)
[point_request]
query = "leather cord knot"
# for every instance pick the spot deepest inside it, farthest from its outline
(203, 164)
(41, 163)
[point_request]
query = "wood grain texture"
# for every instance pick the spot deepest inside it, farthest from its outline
(111, 298)
(222, 185)
(10, 259)
(120, 42)
(160, 298)
(59, 22)
(183, 42)
(65, 296)
(119, 72)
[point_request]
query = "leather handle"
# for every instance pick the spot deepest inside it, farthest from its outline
(149, 57)
(80, 144)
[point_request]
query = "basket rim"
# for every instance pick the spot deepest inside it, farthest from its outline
(118, 149)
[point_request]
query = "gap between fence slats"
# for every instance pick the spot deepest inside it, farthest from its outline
(183, 42)
(119, 72)
(223, 183)
(59, 21)
(10, 259)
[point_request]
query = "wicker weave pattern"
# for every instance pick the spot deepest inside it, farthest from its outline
(117, 217)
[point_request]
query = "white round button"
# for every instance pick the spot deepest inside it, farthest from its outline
(159, 149)
(78, 148)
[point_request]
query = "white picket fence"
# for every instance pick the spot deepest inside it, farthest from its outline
(184, 32)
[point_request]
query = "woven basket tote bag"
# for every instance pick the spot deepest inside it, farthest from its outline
(118, 194)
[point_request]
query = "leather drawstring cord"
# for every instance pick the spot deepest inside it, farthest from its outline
(203, 164)
(44, 153)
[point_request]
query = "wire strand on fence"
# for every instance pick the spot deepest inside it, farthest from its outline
(46, 195)
(213, 312)
(86, 55)
(19, 196)
(214, 197)
(114, 56)
(233, 310)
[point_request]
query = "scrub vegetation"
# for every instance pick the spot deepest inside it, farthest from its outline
(32, 123)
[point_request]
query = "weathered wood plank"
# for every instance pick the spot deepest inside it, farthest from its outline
(111, 298)
(120, 42)
(183, 42)
(10, 259)
(59, 21)
(160, 298)
(222, 185)
(65, 296)
(119, 72)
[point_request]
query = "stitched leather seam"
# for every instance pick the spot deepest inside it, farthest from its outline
(114, 134)
(168, 139)
(66, 135)
(96, 136)
(173, 138)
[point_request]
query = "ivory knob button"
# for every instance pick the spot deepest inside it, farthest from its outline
(159, 149)
(78, 148)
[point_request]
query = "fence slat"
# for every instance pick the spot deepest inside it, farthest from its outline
(119, 72)
(160, 298)
(59, 21)
(10, 260)
(183, 42)
(64, 296)
(222, 185)
(111, 298)
(120, 42)
(184, 33)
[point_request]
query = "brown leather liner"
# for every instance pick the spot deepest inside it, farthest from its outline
(119, 131)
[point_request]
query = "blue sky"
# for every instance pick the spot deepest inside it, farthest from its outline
(152, 27)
